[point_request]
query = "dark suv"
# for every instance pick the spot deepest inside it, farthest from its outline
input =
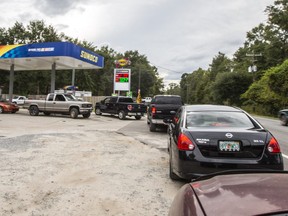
(161, 107)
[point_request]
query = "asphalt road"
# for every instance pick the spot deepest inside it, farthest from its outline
(280, 132)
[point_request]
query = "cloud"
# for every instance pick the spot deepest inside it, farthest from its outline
(55, 7)
(177, 36)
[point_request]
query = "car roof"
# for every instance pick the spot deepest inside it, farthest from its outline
(210, 107)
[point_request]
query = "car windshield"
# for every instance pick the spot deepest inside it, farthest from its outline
(218, 119)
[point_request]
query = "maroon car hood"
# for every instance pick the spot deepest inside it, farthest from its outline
(243, 194)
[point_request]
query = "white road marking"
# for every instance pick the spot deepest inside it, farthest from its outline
(285, 156)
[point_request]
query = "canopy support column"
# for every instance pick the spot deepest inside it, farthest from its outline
(53, 77)
(73, 77)
(11, 82)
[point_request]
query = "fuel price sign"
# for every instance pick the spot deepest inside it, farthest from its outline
(122, 79)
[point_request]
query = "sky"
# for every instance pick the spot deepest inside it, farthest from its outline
(176, 36)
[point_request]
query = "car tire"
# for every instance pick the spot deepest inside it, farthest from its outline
(137, 117)
(33, 110)
(1, 110)
(98, 111)
(74, 113)
(121, 115)
(284, 120)
(86, 115)
(152, 127)
(172, 175)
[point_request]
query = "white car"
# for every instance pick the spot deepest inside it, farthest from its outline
(19, 100)
(147, 99)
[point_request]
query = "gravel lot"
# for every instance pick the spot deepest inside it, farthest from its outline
(61, 166)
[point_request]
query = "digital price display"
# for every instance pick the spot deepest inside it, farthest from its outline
(122, 77)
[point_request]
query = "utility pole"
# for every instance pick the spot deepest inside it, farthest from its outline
(253, 68)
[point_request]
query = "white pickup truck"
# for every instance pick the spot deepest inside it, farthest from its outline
(65, 104)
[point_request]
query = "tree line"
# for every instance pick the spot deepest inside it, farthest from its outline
(226, 81)
(98, 81)
(263, 90)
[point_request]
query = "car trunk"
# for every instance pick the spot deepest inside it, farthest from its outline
(243, 194)
(222, 143)
(165, 110)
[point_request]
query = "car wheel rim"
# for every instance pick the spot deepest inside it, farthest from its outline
(98, 111)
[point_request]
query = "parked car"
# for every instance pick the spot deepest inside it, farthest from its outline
(147, 100)
(7, 107)
(233, 193)
(161, 107)
(19, 100)
(203, 139)
(283, 116)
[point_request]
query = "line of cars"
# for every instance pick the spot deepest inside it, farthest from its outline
(233, 165)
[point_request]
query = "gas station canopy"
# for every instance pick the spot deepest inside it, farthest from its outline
(40, 56)
(46, 56)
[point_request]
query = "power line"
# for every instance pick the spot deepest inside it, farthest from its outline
(166, 68)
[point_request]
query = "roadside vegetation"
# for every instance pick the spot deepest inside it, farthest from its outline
(227, 81)
(263, 90)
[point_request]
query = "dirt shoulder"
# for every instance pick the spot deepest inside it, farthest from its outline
(62, 166)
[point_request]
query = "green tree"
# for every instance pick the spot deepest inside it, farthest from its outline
(228, 87)
(173, 89)
(265, 94)
(220, 64)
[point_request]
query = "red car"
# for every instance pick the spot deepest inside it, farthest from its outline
(7, 107)
(234, 193)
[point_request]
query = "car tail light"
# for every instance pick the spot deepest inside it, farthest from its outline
(184, 143)
(153, 111)
(273, 146)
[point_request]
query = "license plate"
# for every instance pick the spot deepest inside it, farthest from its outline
(229, 146)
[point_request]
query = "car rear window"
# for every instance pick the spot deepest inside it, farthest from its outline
(126, 100)
(167, 100)
(218, 119)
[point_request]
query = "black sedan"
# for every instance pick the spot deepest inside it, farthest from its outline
(204, 139)
(283, 116)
